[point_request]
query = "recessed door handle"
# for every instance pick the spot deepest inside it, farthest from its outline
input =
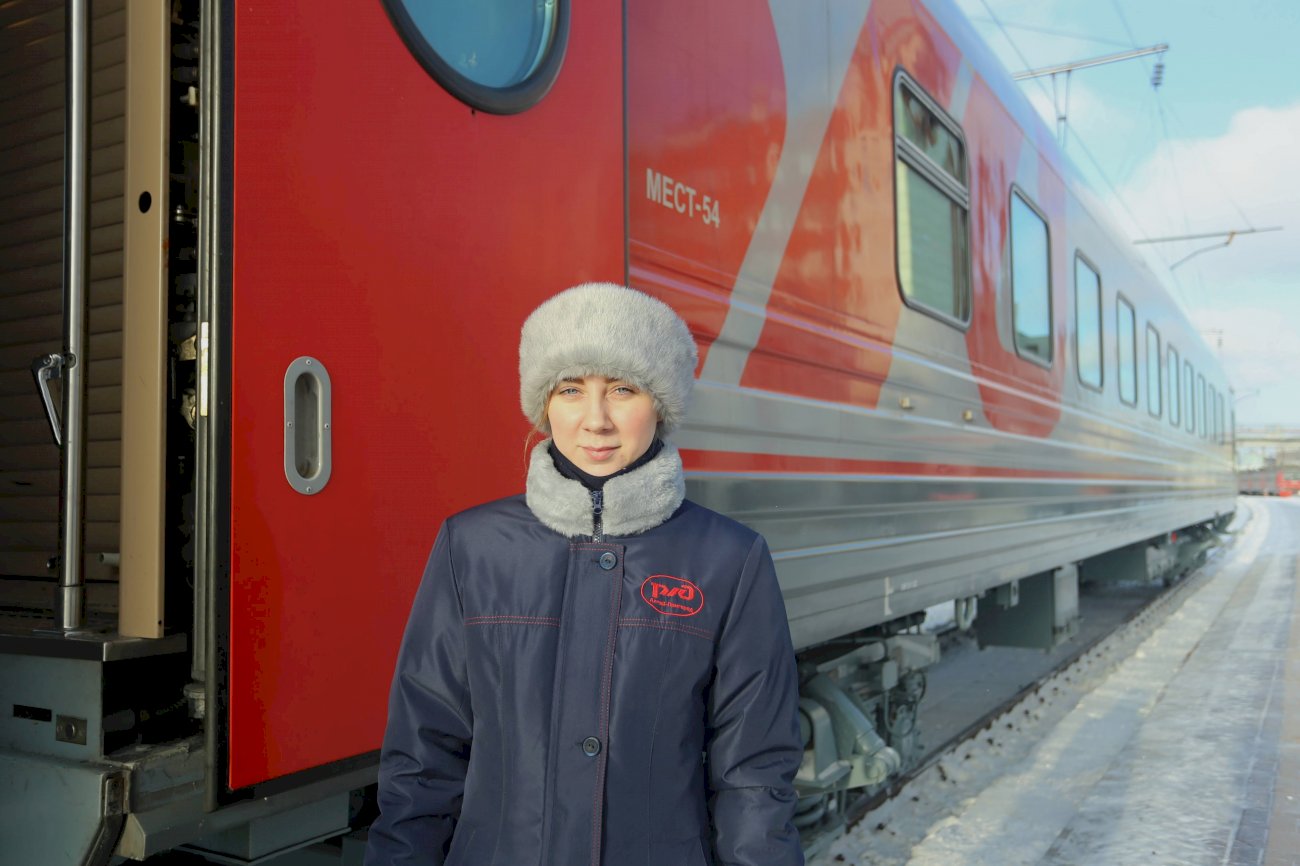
(307, 426)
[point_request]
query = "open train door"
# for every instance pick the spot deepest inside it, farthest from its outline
(397, 187)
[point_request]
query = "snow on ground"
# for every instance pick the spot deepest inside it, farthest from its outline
(1138, 754)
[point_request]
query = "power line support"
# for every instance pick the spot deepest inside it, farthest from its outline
(1090, 62)
(1061, 101)
(1228, 237)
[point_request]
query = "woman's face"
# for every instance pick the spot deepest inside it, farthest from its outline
(600, 424)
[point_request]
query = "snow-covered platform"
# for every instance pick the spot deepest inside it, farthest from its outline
(1186, 751)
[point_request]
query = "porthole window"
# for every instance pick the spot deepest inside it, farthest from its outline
(500, 56)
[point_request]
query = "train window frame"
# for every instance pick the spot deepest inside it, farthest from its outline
(909, 155)
(507, 100)
(1155, 392)
(1018, 193)
(1121, 304)
(1223, 422)
(1205, 415)
(1189, 395)
(1214, 414)
(1172, 361)
(1100, 385)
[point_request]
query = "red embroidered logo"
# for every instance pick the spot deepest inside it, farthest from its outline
(675, 596)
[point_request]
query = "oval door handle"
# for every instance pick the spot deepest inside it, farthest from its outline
(307, 425)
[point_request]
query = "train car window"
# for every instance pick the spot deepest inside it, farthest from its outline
(499, 56)
(1031, 285)
(1171, 364)
(1223, 423)
(1205, 411)
(1189, 396)
(1154, 391)
(1126, 340)
(932, 206)
(1214, 414)
(1087, 323)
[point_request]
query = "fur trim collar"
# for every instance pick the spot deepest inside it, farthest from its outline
(640, 500)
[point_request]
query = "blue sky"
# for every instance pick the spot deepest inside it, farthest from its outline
(1218, 149)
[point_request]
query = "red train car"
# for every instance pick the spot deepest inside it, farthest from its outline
(929, 367)
(1267, 482)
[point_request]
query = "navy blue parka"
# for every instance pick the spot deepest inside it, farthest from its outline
(624, 695)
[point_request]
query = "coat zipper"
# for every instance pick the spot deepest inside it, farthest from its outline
(597, 508)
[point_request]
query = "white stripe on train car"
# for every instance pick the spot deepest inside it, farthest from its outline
(961, 94)
(815, 52)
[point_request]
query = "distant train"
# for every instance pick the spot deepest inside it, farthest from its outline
(1267, 482)
(930, 369)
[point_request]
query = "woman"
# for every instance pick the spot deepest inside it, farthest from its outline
(573, 653)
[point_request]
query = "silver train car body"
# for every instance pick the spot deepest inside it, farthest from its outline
(946, 505)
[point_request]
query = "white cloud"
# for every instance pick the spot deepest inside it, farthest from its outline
(1257, 345)
(1190, 186)
(1260, 350)
(1091, 114)
(1248, 293)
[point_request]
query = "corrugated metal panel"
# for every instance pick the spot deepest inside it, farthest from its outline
(31, 299)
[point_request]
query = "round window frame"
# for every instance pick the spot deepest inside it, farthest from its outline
(493, 100)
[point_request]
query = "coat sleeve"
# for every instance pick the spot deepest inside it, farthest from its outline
(753, 748)
(425, 754)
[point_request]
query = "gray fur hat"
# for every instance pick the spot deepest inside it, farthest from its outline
(603, 329)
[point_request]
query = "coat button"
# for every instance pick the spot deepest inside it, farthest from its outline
(607, 561)
(591, 747)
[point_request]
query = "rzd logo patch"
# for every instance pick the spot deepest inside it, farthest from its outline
(675, 596)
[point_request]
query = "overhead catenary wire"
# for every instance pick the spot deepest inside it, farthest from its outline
(1014, 47)
(1068, 130)
(1050, 31)
(1160, 111)
(1096, 165)
(1173, 166)
(1178, 285)
(1166, 111)
(1210, 172)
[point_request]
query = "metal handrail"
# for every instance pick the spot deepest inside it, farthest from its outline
(76, 199)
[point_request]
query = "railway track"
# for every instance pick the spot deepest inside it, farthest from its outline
(974, 751)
